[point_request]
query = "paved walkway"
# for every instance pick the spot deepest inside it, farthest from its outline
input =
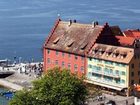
(10, 85)
(120, 100)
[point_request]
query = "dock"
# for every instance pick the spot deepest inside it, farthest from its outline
(10, 85)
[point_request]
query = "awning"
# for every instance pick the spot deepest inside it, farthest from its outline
(105, 85)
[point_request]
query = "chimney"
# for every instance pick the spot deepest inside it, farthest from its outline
(74, 21)
(70, 22)
(106, 24)
(93, 24)
(97, 23)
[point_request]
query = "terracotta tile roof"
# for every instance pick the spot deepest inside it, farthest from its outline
(112, 53)
(132, 33)
(75, 37)
(125, 41)
(137, 88)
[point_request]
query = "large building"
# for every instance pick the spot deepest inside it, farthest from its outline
(68, 44)
(102, 53)
(113, 67)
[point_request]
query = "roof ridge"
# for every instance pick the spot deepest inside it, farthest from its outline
(52, 31)
(95, 41)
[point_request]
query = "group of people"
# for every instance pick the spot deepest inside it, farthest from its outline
(28, 69)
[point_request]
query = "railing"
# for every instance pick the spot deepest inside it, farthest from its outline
(106, 74)
(103, 81)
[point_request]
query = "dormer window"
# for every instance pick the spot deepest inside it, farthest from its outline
(101, 51)
(70, 43)
(56, 40)
(95, 50)
(108, 52)
(84, 46)
(123, 55)
(115, 54)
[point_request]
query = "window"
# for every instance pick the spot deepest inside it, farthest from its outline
(117, 72)
(63, 64)
(111, 71)
(122, 65)
(48, 60)
(90, 66)
(132, 65)
(56, 62)
(69, 65)
(48, 51)
(56, 52)
(132, 74)
(76, 57)
(82, 58)
(123, 81)
(123, 73)
(117, 64)
(69, 55)
(132, 82)
(108, 62)
(82, 69)
(75, 67)
(63, 54)
(90, 59)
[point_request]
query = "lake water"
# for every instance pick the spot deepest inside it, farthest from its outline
(24, 24)
(3, 100)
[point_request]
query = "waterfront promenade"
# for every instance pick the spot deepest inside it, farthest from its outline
(23, 76)
(10, 85)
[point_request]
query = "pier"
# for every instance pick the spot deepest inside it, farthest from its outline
(10, 85)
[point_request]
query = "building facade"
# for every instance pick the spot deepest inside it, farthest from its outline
(103, 53)
(76, 63)
(68, 44)
(112, 67)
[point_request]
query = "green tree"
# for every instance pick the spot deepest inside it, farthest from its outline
(56, 87)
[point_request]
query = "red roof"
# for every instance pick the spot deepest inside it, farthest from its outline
(125, 41)
(73, 37)
(132, 33)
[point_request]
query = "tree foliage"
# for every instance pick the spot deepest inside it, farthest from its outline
(56, 87)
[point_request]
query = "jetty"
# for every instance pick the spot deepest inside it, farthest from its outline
(11, 85)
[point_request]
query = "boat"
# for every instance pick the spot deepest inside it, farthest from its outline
(4, 74)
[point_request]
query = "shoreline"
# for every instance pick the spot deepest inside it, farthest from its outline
(10, 85)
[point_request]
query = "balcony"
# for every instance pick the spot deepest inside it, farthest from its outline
(106, 74)
(104, 83)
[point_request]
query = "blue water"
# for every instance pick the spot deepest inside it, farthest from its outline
(24, 24)
(3, 100)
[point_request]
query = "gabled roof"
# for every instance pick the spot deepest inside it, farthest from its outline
(132, 33)
(73, 37)
(116, 30)
(126, 41)
(112, 53)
